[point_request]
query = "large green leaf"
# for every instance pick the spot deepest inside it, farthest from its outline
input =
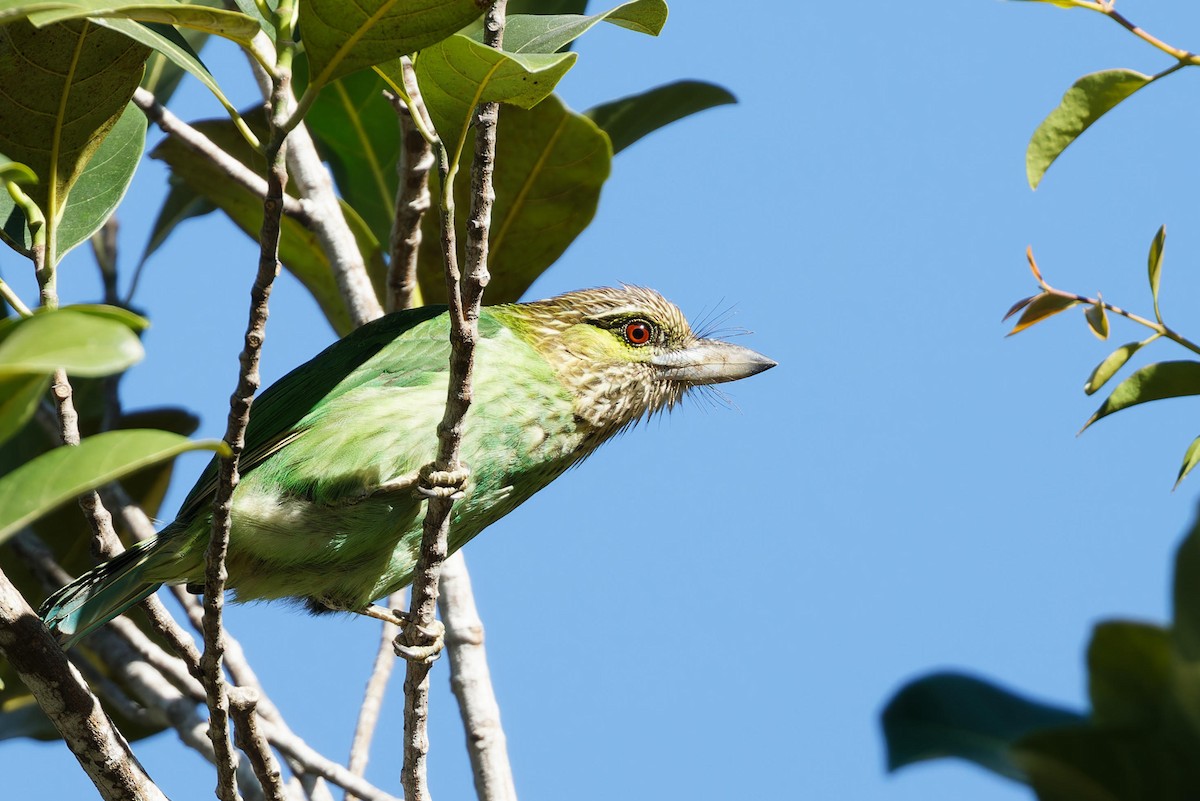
(299, 249)
(459, 73)
(163, 72)
(550, 165)
(232, 25)
(63, 88)
(630, 118)
(19, 399)
(357, 130)
(78, 341)
(53, 478)
(950, 714)
(1152, 382)
(341, 37)
(549, 33)
(1089, 99)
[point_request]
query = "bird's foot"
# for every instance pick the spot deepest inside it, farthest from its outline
(397, 617)
(421, 644)
(443, 484)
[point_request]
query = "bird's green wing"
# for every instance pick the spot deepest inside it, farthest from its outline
(344, 365)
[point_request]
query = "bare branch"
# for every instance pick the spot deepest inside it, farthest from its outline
(368, 714)
(465, 295)
(254, 745)
(66, 700)
(412, 201)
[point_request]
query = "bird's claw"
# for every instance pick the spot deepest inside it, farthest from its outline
(442, 484)
(421, 644)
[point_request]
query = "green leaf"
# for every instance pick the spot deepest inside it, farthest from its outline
(1111, 364)
(549, 33)
(342, 37)
(550, 165)
(1155, 266)
(232, 25)
(1092, 764)
(82, 343)
(53, 478)
(1152, 382)
(459, 73)
(19, 398)
(630, 118)
(357, 130)
(299, 249)
(1129, 674)
(163, 72)
(1039, 308)
(1088, 100)
(1190, 459)
(1097, 320)
(68, 84)
(950, 714)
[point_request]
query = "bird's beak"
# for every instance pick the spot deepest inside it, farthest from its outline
(710, 361)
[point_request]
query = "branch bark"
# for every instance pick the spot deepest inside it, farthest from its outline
(59, 689)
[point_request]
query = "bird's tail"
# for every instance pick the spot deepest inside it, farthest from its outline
(100, 594)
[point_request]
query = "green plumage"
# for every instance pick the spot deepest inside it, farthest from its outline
(325, 510)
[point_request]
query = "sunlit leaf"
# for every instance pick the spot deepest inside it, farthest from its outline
(1190, 459)
(1097, 320)
(550, 166)
(953, 715)
(232, 25)
(1150, 383)
(63, 473)
(163, 73)
(1111, 364)
(1155, 266)
(343, 37)
(1042, 306)
(457, 74)
(630, 118)
(1091, 97)
(549, 33)
(77, 341)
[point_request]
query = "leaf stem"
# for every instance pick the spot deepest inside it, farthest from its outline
(1160, 329)
(13, 300)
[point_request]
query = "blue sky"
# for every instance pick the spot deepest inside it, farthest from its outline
(905, 492)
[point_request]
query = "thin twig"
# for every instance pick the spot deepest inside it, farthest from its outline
(315, 764)
(465, 295)
(471, 683)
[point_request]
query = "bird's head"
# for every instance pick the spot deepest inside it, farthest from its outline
(626, 353)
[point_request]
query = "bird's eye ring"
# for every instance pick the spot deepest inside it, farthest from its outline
(638, 333)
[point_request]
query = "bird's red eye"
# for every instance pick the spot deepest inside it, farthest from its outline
(637, 332)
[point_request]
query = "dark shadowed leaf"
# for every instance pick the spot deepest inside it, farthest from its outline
(1088, 100)
(1185, 629)
(74, 340)
(1190, 459)
(550, 165)
(67, 83)
(342, 37)
(38, 486)
(1016, 307)
(1042, 306)
(1093, 764)
(1129, 674)
(630, 118)
(1154, 262)
(953, 715)
(1152, 382)
(1111, 364)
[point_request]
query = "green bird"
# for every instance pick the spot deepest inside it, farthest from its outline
(326, 510)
